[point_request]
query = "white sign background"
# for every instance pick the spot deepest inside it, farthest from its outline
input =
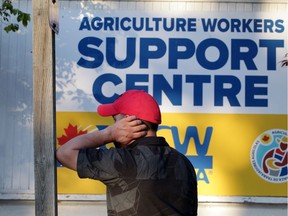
(75, 83)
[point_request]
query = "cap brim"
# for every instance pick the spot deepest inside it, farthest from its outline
(107, 110)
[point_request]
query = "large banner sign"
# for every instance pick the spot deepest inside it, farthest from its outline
(218, 78)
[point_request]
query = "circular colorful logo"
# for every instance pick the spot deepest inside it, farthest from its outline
(269, 155)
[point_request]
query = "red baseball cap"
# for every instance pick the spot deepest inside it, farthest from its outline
(133, 102)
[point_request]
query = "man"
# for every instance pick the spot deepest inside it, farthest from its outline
(143, 175)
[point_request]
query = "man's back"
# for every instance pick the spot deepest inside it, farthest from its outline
(146, 178)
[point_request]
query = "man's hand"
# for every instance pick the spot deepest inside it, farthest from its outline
(127, 130)
(123, 131)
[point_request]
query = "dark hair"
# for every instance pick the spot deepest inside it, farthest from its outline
(151, 126)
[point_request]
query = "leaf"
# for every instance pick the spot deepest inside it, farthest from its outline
(20, 16)
(12, 27)
(26, 19)
(70, 132)
(7, 28)
(265, 138)
(15, 11)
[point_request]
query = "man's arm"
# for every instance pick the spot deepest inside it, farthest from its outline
(123, 131)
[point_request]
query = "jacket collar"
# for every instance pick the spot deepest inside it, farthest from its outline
(149, 141)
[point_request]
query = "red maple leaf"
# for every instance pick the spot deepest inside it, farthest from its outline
(265, 138)
(71, 132)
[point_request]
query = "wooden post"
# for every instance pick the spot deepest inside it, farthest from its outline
(44, 111)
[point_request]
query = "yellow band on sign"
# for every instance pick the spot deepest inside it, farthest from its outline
(233, 154)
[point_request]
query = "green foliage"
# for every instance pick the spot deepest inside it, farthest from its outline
(7, 10)
(285, 61)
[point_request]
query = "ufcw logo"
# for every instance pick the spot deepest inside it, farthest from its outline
(201, 161)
